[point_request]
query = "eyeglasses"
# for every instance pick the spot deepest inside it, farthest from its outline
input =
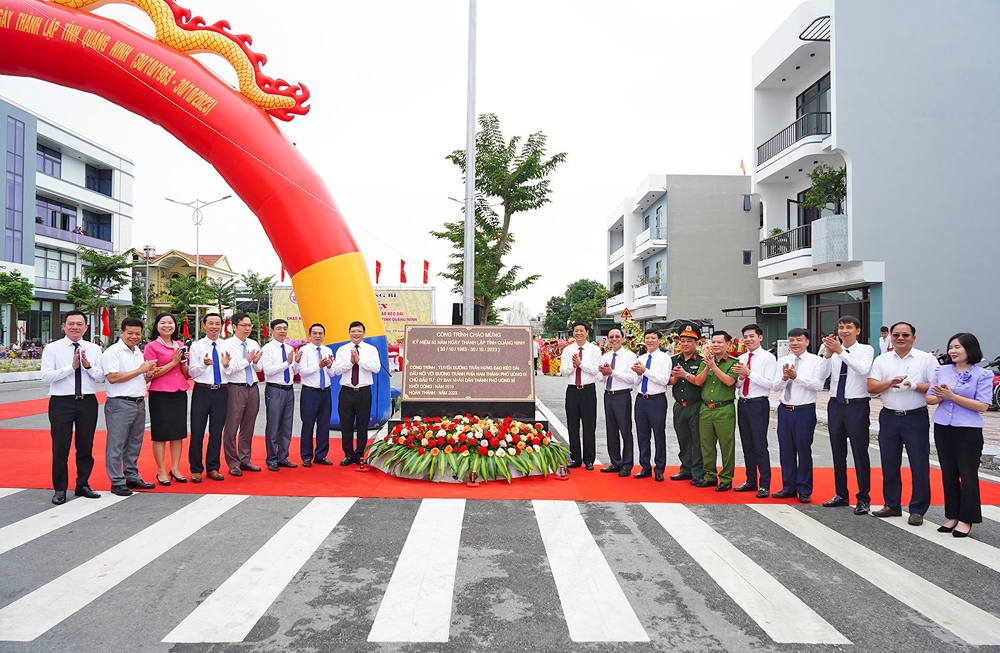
(902, 336)
(245, 324)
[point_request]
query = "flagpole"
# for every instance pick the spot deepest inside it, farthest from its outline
(469, 268)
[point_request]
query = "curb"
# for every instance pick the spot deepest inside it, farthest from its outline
(13, 377)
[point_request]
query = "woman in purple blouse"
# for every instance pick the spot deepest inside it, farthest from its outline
(962, 392)
(167, 397)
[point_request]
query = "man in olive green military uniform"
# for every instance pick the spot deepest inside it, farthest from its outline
(687, 405)
(717, 419)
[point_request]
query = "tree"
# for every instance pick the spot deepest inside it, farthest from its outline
(584, 301)
(829, 186)
(18, 291)
(138, 307)
(519, 180)
(84, 296)
(103, 277)
(258, 287)
(184, 293)
(221, 293)
(557, 311)
(491, 282)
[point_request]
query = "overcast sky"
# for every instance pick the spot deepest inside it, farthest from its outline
(625, 88)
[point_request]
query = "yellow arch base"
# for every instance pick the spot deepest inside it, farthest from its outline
(335, 292)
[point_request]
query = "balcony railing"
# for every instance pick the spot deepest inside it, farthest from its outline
(52, 284)
(811, 124)
(648, 290)
(616, 301)
(653, 233)
(617, 256)
(71, 237)
(785, 242)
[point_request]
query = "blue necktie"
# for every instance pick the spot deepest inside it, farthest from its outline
(322, 374)
(216, 375)
(842, 382)
(645, 379)
(607, 385)
(249, 366)
(284, 359)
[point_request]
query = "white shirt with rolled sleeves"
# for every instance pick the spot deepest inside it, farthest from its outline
(763, 365)
(917, 366)
(368, 363)
(197, 370)
(238, 363)
(658, 373)
(119, 358)
(622, 376)
(859, 359)
(309, 369)
(590, 360)
(274, 368)
(57, 368)
(810, 374)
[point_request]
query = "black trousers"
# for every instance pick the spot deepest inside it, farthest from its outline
(208, 408)
(581, 406)
(651, 421)
(65, 413)
(849, 422)
(618, 421)
(959, 450)
(913, 432)
(315, 407)
(355, 409)
(753, 417)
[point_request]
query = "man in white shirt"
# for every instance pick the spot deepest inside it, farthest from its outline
(799, 377)
(848, 411)
(902, 376)
(71, 367)
(126, 374)
(357, 363)
(884, 341)
(579, 365)
(315, 403)
(618, 381)
(652, 370)
(757, 368)
(280, 368)
(243, 401)
(209, 363)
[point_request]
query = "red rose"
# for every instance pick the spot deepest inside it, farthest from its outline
(494, 442)
(412, 445)
(538, 426)
(440, 442)
(482, 451)
(421, 451)
(507, 421)
(536, 441)
(516, 439)
(462, 438)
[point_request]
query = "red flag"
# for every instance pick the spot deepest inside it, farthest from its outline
(282, 272)
(378, 271)
(225, 329)
(743, 168)
(187, 333)
(402, 271)
(105, 324)
(427, 267)
(265, 331)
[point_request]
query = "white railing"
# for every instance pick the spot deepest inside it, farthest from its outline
(616, 301)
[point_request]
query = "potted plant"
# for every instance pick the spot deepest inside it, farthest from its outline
(617, 288)
(829, 186)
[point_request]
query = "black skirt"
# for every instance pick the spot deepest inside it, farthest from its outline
(167, 415)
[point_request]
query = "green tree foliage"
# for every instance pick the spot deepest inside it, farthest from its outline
(557, 311)
(258, 287)
(107, 274)
(222, 294)
(584, 300)
(518, 178)
(18, 291)
(138, 307)
(84, 296)
(829, 186)
(184, 293)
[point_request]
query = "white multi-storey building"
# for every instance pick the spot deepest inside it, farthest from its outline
(63, 191)
(900, 94)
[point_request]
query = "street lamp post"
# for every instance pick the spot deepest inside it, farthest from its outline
(469, 268)
(147, 252)
(197, 218)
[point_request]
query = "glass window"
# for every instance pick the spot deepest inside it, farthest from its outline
(99, 180)
(14, 193)
(747, 257)
(48, 161)
(55, 214)
(97, 225)
(815, 98)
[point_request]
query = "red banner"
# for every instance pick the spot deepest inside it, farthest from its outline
(402, 272)
(427, 268)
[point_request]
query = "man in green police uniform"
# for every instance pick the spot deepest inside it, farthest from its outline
(687, 405)
(717, 419)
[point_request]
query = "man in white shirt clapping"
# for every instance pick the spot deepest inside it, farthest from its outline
(618, 382)
(243, 401)
(357, 362)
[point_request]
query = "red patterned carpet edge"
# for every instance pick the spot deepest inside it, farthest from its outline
(30, 407)
(26, 463)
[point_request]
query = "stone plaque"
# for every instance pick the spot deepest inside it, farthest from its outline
(468, 365)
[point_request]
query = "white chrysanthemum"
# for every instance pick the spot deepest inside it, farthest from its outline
(423, 442)
(512, 451)
(500, 453)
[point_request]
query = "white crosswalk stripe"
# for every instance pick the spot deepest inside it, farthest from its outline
(420, 580)
(965, 620)
(991, 512)
(7, 491)
(593, 602)
(231, 611)
(36, 613)
(45, 522)
(970, 548)
(779, 613)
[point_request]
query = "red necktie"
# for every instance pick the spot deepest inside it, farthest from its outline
(746, 381)
(579, 370)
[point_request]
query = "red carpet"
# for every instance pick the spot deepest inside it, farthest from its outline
(32, 407)
(26, 463)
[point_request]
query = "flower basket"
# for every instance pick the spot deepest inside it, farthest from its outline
(464, 445)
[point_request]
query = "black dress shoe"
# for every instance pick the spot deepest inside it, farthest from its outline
(724, 487)
(347, 461)
(680, 477)
(589, 467)
(249, 467)
(658, 476)
(236, 472)
(307, 463)
(805, 498)
(646, 473)
(59, 497)
(836, 502)
(286, 463)
(785, 494)
(762, 493)
(121, 491)
(958, 533)
(941, 529)
(624, 473)
(139, 485)
(610, 468)
(323, 461)
(85, 491)
(273, 467)
(701, 482)
(861, 508)
(574, 465)
(746, 487)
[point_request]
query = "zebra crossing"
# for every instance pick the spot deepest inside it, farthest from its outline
(287, 573)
